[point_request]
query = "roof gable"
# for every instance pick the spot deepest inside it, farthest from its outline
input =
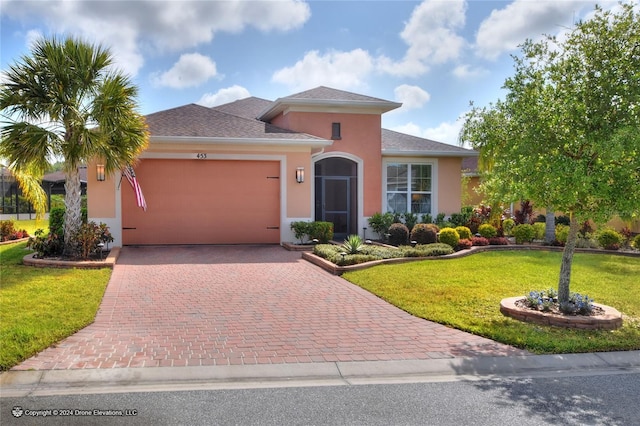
(325, 99)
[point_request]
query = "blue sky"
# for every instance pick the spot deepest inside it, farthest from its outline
(433, 56)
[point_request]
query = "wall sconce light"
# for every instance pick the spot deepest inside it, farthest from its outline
(100, 172)
(300, 174)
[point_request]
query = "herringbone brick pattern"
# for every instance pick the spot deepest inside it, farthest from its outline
(226, 305)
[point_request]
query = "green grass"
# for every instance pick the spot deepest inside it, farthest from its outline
(41, 306)
(465, 293)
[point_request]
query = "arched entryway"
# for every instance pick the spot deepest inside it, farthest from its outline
(336, 195)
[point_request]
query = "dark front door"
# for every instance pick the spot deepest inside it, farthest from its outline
(335, 205)
(336, 198)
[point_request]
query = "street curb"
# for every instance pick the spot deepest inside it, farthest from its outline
(63, 382)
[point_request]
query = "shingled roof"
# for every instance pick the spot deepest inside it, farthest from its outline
(247, 107)
(328, 94)
(201, 122)
(395, 143)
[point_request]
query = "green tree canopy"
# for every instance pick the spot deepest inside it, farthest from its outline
(567, 134)
(65, 100)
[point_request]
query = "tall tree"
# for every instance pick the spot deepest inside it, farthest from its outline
(67, 101)
(567, 134)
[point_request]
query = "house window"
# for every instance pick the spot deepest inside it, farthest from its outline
(409, 188)
(335, 131)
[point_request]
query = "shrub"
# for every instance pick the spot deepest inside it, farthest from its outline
(562, 233)
(586, 241)
(352, 245)
(609, 239)
(426, 218)
(462, 218)
(380, 223)
(51, 245)
(321, 231)
(539, 228)
(507, 226)
(525, 213)
(464, 244)
(540, 218)
(326, 251)
(524, 233)
(479, 241)
(498, 241)
(410, 219)
(300, 230)
(440, 220)
(487, 230)
(7, 228)
(8, 231)
(464, 232)
(398, 234)
(352, 259)
(449, 236)
(427, 250)
(425, 233)
(636, 242)
(626, 235)
(56, 221)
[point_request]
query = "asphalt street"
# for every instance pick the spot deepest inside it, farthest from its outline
(575, 398)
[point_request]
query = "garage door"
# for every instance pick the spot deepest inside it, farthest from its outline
(203, 202)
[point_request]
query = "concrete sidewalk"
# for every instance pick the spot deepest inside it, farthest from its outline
(117, 380)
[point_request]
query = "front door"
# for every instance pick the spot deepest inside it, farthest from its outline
(336, 198)
(336, 206)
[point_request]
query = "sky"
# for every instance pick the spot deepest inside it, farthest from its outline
(434, 56)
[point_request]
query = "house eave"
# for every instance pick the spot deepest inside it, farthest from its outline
(404, 153)
(304, 105)
(311, 143)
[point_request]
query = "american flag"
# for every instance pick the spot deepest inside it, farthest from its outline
(131, 177)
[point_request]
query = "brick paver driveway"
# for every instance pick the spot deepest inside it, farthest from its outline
(224, 305)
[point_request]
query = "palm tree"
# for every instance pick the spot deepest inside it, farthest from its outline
(66, 101)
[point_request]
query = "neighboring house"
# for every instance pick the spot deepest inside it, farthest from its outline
(242, 172)
(52, 183)
(473, 196)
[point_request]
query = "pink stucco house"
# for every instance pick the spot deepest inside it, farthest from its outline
(241, 172)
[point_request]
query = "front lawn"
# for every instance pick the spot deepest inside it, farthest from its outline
(41, 306)
(465, 293)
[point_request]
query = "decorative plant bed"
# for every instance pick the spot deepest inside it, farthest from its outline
(107, 262)
(605, 317)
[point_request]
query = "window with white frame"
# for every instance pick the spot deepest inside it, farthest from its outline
(409, 188)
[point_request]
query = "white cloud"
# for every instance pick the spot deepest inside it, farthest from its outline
(466, 71)
(192, 69)
(134, 28)
(224, 96)
(445, 132)
(341, 70)
(431, 36)
(411, 96)
(505, 29)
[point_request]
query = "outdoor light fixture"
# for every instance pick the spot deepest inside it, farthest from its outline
(100, 172)
(300, 174)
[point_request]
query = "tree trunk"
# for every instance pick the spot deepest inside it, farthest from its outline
(73, 208)
(550, 228)
(567, 260)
